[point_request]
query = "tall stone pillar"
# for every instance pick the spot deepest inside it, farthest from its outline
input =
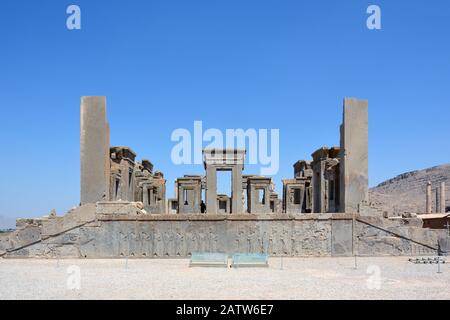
(438, 206)
(236, 195)
(94, 150)
(428, 200)
(442, 198)
(145, 198)
(354, 155)
(211, 189)
(176, 189)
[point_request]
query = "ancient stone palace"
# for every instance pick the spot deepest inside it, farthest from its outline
(334, 180)
(324, 208)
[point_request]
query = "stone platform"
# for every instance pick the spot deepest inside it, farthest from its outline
(120, 229)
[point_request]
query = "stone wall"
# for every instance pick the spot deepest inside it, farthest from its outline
(121, 230)
(377, 236)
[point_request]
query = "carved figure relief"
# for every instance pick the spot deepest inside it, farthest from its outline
(158, 245)
(201, 241)
(212, 240)
(132, 244)
(240, 240)
(179, 243)
(273, 241)
(123, 244)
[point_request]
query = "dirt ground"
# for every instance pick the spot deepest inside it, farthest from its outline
(287, 278)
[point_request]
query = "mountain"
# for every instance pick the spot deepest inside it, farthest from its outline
(407, 192)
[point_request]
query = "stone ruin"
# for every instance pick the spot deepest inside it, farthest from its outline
(440, 198)
(324, 209)
(114, 174)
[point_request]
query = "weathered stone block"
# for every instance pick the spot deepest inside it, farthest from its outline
(94, 150)
(444, 245)
(354, 155)
(341, 237)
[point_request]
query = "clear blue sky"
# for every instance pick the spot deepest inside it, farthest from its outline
(232, 64)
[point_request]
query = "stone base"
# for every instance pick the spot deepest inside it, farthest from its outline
(120, 229)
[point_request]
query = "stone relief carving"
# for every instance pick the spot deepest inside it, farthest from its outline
(212, 240)
(295, 243)
(193, 241)
(179, 243)
(201, 241)
(167, 241)
(146, 244)
(158, 245)
(284, 240)
(276, 239)
(250, 236)
(123, 244)
(272, 241)
(132, 244)
(239, 240)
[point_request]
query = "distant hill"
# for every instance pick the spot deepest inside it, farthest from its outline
(7, 223)
(407, 192)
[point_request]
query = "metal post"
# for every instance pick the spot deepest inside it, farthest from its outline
(353, 240)
(439, 265)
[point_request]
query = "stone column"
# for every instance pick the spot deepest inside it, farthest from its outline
(354, 187)
(198, 197)
(151, 196)
(442, 198)
(125, 180)
(236, 205)
(211, 189)
(428, 200)
(176, 189)
(438, 206)
(145, 199)
(94, 150)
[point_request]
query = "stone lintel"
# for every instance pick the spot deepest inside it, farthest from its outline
(122, 153)
(259, 180)
(224, 157)
(321, 153)
(148, 165)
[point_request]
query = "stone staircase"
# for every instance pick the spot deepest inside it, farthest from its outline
(30, 232)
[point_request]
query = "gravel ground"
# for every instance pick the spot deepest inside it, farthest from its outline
(287, 278)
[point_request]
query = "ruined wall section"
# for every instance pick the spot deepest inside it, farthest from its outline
(121, 229)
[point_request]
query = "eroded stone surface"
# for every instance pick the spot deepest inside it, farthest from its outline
(94, 150)
(354, 155)
(122, 230)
